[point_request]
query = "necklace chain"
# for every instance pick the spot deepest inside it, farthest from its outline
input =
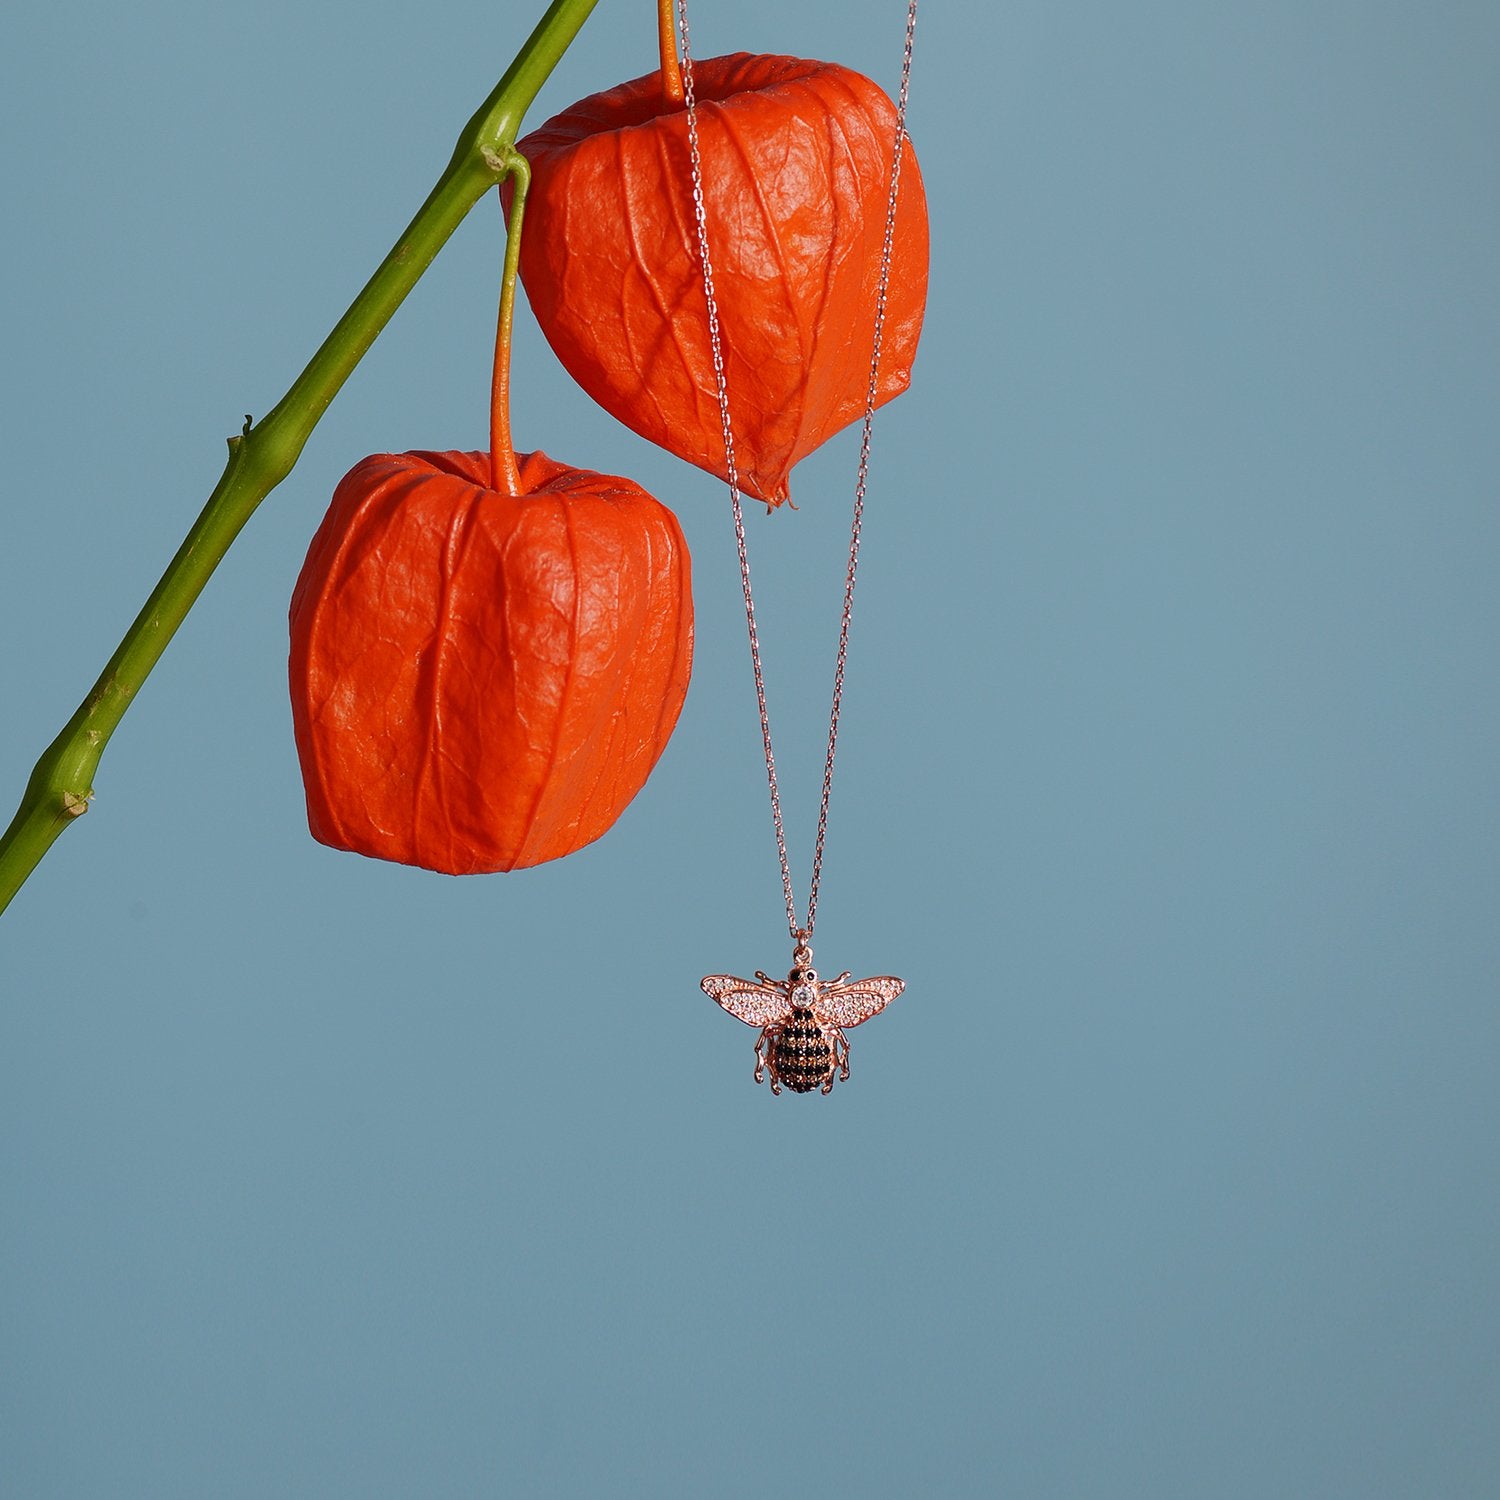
(802, 935)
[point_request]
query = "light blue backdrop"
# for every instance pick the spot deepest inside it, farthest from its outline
(1168, 783)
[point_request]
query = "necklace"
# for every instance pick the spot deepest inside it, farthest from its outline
(802, 1019)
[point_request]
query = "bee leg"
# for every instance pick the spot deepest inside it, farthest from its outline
(841, 1053)
(834, 1036)
(760, 1057)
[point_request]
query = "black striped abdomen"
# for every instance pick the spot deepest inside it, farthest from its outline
(802, 1056)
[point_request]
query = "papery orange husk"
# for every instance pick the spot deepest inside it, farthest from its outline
(483, 681)
(796, 177)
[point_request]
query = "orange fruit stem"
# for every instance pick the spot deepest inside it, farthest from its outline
(671, 69)
(505, 477)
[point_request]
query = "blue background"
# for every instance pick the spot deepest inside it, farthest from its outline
(1167, 781)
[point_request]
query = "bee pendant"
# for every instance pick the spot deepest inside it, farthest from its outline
(802, 1019)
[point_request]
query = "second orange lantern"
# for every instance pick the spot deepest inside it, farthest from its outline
(482, 681)
(796, 171)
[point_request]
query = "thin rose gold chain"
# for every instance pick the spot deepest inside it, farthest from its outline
(802, 935)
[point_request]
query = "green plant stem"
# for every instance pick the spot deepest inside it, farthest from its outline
(263, 455)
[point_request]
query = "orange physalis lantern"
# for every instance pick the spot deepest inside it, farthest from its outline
(796, 161)
(489, 650)
(482, 681)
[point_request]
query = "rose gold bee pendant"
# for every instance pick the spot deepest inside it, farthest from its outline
(802, 1019)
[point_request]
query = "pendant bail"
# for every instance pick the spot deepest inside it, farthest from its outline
(801, 951)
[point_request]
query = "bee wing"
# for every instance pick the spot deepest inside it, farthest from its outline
(849, 1004)
(752, 1002)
